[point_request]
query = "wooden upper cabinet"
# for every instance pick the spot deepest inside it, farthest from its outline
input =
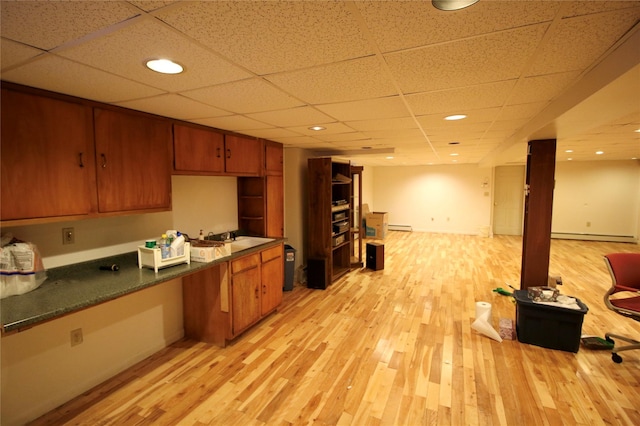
(273, 158)
(243, 155)
(197, 150)
(47, 157)
(133, 161)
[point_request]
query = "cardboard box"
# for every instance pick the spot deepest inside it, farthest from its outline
(377, 225)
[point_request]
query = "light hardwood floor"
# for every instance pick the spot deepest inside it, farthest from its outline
(391, 347)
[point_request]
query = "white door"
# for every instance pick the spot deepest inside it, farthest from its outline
(508, 208)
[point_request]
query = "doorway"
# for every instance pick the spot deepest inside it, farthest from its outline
(508, 203)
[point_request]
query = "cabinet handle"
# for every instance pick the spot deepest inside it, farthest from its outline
(80, 159)
(218, 152)
(104, 160)
(264, 289)
(228, 153)
(257, 293)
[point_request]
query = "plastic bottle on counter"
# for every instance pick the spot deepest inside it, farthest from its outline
(201, 235)
(172, 234)
(177, 246)
(164, 246)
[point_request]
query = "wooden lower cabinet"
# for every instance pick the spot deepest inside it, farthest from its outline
(222, 301)
(245, 292)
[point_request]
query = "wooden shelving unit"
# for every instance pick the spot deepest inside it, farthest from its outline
(330, 221)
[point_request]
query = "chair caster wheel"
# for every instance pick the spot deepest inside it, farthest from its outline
(616, 358)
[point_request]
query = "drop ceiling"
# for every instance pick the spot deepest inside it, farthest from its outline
(380, 76)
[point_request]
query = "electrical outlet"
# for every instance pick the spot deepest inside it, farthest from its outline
(68, 236)
(76, 337)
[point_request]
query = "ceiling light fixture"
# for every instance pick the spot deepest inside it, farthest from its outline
(568, 150)
(317, 128)
(454, 154)
(599, 152)
(449, 5)
(389, 158)
(164, 66)
(455, 117)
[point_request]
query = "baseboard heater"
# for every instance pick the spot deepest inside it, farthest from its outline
(405, 228)
(593, 237)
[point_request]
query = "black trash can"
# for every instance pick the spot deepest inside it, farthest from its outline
(289, 266)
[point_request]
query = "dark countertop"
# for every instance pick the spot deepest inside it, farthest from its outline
(72, 288)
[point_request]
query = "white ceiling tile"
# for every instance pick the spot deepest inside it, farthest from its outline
(330, 129)
(150, 5)
(338, 82)
(578, 42)
(14, 53)
(381, 108)
(541, 88)
(48, 24)
(64, 76)
(514, 112)
(357, 137)
(175, 106)
(483, 59)
(383, 124)
(577, 8)
(301, 116)
(246, 96)
(154, 40)
(398, 25)
(461, 99)
(236, 123)
(268, 37)
(271, 133)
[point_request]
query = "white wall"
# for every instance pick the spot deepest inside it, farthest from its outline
(295, 200)
(40, 369)
(605, 194)
(444, 198)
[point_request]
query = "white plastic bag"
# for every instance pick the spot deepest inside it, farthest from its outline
(21, 268)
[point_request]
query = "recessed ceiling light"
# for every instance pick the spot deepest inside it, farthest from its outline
(568, 150)
(449, 5)
(164, 66)
(317, 128)
(455, 117)
(599, 152)
(569, 159)
(455, 161)
(454, 154)
(389, 158)
(637, 130)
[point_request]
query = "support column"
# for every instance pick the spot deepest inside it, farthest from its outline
(538, 208)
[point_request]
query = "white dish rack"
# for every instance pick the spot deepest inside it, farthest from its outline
(152, 257)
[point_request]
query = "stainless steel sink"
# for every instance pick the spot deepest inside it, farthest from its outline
(244, 242)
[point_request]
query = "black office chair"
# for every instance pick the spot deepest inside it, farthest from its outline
(624, 295)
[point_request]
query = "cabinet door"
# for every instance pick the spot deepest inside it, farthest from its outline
(273, 158)
(272, 278)
(133, 161)
(47, 157)
(243, 155)
(245, 293)
(197, 150)
(275, 206)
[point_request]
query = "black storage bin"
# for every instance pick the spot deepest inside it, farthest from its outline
(289, 266)
(548, 326)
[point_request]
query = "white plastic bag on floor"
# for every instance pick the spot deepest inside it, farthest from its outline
(21, 268)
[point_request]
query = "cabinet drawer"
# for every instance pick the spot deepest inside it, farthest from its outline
(245, 262)
(271, 253)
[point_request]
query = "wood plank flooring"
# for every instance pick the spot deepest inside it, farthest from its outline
(391, 347)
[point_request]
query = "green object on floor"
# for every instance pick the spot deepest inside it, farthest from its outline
(595, 342)
(502, 291)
